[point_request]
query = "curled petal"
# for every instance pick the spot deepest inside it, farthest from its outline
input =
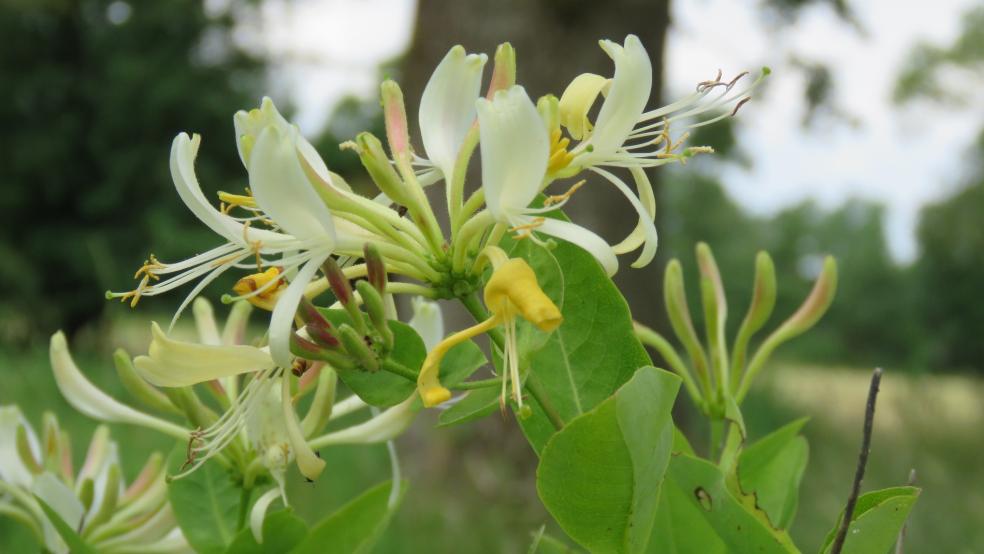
(646, 225)
(258, 513)
(427, 321)
(595, 245)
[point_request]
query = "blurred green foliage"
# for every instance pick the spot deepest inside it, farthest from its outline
(95, 91)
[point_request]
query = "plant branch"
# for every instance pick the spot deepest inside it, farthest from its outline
(869, 418)
(899, 543)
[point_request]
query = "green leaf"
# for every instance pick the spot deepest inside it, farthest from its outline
(356, 526)
(878, 518)
(282, 531)
(600, 475)
(476, 404)
(592, 353)
(385, 389)
(75, 543)
(772, 469)
(205, 504)
(681, 527)
(736, 521)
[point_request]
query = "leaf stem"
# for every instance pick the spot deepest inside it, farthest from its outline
(869, 418)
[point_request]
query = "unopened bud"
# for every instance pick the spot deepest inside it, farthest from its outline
(816, 303)
(317, 326)
(24, 451)
(549, 108)
(356, 347)
(110, 498)
(504, 69)
(759, 310)
(138, 387)
(378, 166)
(340, 285)
(675, 297)
(395, 118)
(87, 492)
(309, 350)
(375, 267)
(376, 309)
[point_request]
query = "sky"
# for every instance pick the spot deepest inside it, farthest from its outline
(903, 157)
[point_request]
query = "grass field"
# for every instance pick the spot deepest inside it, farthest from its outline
(472, 488)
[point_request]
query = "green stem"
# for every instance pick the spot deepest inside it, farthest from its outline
(717, 433)
(396, 368)
(244, 497)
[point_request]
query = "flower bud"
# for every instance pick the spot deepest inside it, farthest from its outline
(375, 266)
(304, 348)
(373, 303)
(24, 451)
(110, 498)
(355, 346)
(504, 69)
(317, 326)
(675, 297)
(138, 387)
(377, 164)
(395, 118)
(759, 310)
(342, 289)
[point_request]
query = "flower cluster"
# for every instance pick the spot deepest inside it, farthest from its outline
(298, 231)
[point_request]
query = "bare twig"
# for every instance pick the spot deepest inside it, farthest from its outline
(869, 418)
(901, 539)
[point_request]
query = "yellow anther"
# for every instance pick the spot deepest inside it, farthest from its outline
(526, 229)
(555, 198)
(559, 156)
(267, 298)
(229, 201)
(148, 268)
(511, 291)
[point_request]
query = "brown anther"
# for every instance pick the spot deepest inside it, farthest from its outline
(704, 85)
(300, 366)
(740, 104)
(736, 79)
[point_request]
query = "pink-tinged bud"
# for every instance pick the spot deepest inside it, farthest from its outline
(301, 346)
(395, 118)
(376, 267)
(504, 70)
(338, 282)
(310, 315)
(323, 336)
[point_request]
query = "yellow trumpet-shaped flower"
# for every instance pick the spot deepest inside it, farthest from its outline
(511, 292)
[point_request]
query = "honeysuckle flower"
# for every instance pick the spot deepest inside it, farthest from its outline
(427, 321)
(515, 150)
(447, 109)
(302, 230)
(511, 292)
(108, 514)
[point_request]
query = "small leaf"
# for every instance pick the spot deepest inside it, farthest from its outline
(282, 531)
(476, 404)
(600, 475)
(356, 526)
(772, 469)
(75, 543)
(205, 503)
(878, 518)
(739, 527)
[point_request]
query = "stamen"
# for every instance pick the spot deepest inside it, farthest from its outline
(525, 230)
(555, 198)
(560, 157)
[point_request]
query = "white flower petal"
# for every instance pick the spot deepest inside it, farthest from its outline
(60, 498)
(427, 321)
(515, 151)
(309, 463)
(646, 225)
(627, 98)
(174, 363)
(283, 312)
(283, 191)
(595, 245)
(447, 106)
(576, 102)
(258, 513)
(381, 428)
(86, 398)
(208, 329)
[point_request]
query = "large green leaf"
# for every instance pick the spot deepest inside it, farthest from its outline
(205, 503)
(600, 476)
(739, 526)
(772, 468)
(282, 531)
(878, 518)
(384, 389)
(356, 526)
(592, 353)
(75, 543)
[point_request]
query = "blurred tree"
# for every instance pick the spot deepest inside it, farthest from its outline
(96, 90)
